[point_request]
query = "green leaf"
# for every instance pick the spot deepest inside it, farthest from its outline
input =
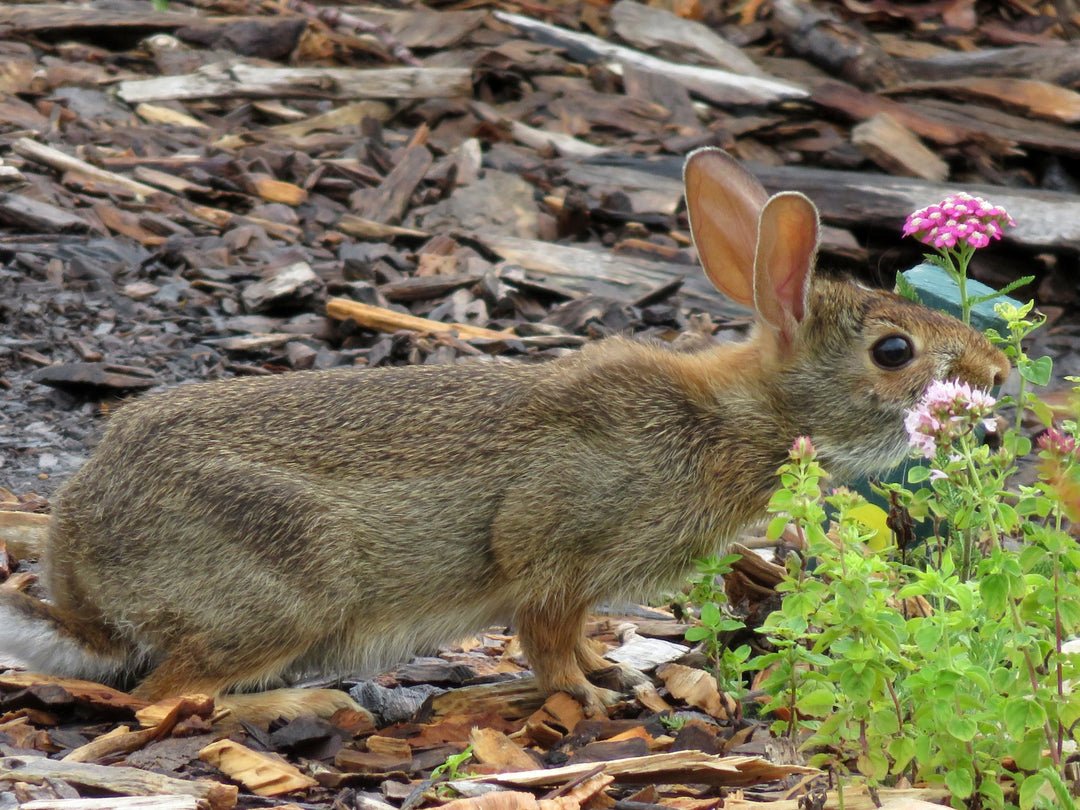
(1008, 288)
(1028, 754)
(1038, 371)
(927, 637)
(1012, 285)
(782, 500)
(776, 527)
(918, 474)
(817, 703)
(1023, 715)
(994, 589)
(993, 795)
(885, 723)
(697, 633)
(1044, 414)
(1035, 790)
(902, 750)
(958, 780)
(906, 289)
(710, 614)
(874, 764)
(963, 728)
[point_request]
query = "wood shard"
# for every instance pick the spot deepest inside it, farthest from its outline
(1027, 96)
(387, 320)
(117, 803)
(895, 148)
(81, 691)
(493, 747)
(508, 699)
(719, 86)
(260, 773)
(698, 688)
(33, 215)
(509, 800)
(117, 779)
(674, 767)
(241, 80)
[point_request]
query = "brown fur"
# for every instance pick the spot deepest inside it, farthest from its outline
(227, 533)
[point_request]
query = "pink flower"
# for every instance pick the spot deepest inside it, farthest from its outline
(1059, 469)
(802, 449)
(958, 218)
(1058, 445)
(947, 411)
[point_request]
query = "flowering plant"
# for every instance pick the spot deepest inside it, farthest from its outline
(956, 227)
(958, 218)
(945, 662)
(948, 412)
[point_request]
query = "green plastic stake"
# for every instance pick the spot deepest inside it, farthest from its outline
(938, 291)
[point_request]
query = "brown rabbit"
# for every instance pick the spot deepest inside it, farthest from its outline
(228, 533)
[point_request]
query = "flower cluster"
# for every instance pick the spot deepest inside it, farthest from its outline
(1056, 444)
(1059, 469)
(947, 411)
(958, 218)
(803, 449)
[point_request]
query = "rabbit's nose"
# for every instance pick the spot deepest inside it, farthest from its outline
(981, 365)
(1001, 373)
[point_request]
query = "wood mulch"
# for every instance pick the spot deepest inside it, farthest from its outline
(244, 188)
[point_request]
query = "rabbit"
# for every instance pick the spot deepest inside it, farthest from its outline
(225, 534)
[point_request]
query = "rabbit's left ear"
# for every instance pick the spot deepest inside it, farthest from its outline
(787, 244)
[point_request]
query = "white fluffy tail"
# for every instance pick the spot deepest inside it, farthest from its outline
(47, 639)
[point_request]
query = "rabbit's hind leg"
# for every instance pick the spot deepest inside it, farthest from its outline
(262, 708)
(591, 661)
(551, 635)
(192, 667)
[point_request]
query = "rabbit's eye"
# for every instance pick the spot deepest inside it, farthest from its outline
(894, 351)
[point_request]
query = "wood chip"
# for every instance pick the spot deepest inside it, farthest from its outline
(117, 779)
(88, 692)
(115, 803)
(260, 773)
(698, 688)
(895, 148)
(674, 767)
(240, 80)
(388, 320)
(493, 747)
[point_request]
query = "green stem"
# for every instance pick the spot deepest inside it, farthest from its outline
(957, 260)
(1033, 676)
(986, 503)
(1058, 743)
(1021, 395)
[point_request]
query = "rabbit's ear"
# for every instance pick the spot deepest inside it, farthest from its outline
(723, 201)
(784, 264)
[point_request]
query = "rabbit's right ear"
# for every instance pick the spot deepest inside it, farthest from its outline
(724, 202)
(784, 263)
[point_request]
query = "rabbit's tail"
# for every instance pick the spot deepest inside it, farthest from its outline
(49, 639)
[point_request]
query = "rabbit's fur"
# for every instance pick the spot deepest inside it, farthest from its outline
(226, 533)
